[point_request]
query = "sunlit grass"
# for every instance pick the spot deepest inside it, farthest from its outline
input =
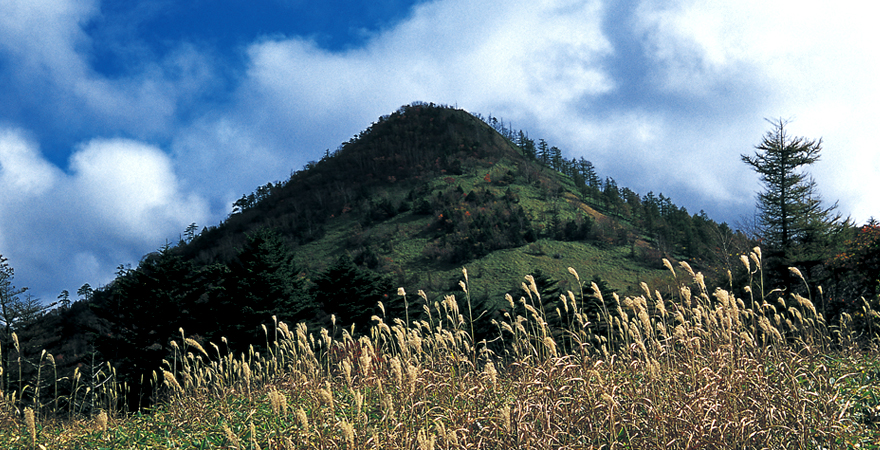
(698, 370)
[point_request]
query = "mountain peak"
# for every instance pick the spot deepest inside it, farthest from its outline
(396, 154)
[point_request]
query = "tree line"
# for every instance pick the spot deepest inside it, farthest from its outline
(130, 322)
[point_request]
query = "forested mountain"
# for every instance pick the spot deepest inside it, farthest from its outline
(482, 187)
(406, 203)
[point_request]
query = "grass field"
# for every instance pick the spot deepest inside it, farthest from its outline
(699, 370)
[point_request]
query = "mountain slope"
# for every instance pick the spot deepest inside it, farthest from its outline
(425, 191)
(407, 203)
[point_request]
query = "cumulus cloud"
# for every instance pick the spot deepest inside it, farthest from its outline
(55, 79)
(120, 200)
(810, 62)
(46, 34)
(546, 66)
(519, 60)
(476, 52)
(22, 169)
(707, 75)
(131, 187)
(225, 156)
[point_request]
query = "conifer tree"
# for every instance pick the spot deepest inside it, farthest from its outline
(543, 152)
(792, 223)
(262, 282)
(352, 294)
(145, 308)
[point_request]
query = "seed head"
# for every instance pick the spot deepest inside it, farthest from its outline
(231, 437)
(31, 424)
(302, 418)
(171, 381)
(669, 266)
(687, 267)
(425, 442)
(347, 432)
(194, 343)
(505, 417)
(325, 396)
(490, 372)
(278, 402)
(253, 431)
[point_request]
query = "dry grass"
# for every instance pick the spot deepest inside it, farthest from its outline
(700, 370)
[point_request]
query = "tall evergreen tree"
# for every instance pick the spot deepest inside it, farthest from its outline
(528, 146)
(556, 158)
(262, 282)
(352, 294)
(544, 152)
(792, 223)
(611, 195)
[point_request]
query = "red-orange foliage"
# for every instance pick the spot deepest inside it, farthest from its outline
(862, 251)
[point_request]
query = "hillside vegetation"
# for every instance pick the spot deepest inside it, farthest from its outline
(402, 207)
(406, 203)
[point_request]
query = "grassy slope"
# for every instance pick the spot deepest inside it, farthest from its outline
(501, 271)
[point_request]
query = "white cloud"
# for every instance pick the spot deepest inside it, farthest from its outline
(224, 157)
(22, 168)
(480, 54)
(516, 58)
(132, 188)
(52, 54)
(715, 70)
(120, 200)
(47, 34)
(814, 62)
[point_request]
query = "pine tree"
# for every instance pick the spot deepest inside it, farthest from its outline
(146, 307)
(352, 294)
(792, 223)
(611, 196)
(528, 146)
(543, 152)
(262, 282)
(556, 159)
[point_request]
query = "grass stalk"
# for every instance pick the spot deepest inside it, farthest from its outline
(693, 371)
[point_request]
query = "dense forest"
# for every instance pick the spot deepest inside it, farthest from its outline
(424, 190)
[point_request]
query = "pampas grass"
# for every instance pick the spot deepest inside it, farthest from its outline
(697, 369)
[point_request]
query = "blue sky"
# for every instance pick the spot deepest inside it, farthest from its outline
(123, 122)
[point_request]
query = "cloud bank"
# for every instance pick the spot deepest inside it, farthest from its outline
(662, 96)
(120, 199)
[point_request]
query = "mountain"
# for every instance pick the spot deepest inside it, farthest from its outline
(429, 189)
(407, 203)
